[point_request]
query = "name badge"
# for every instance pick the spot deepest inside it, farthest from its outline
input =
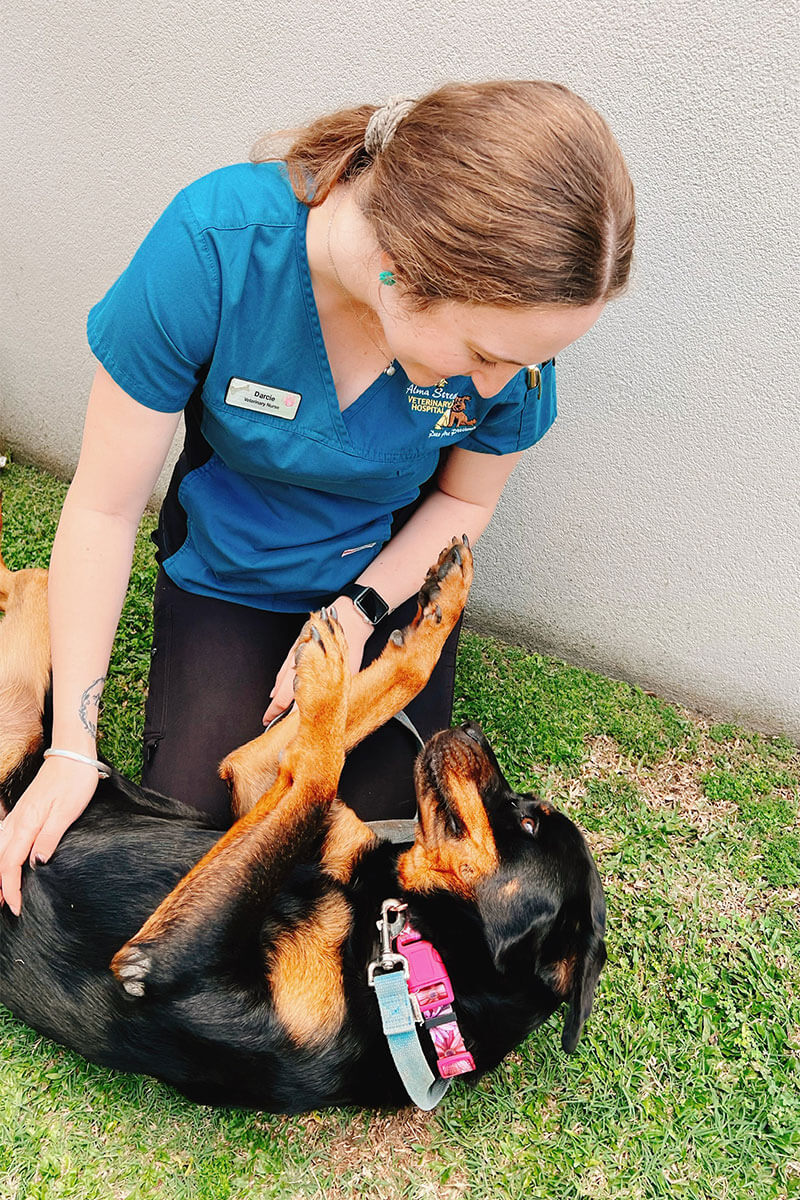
(260, 397)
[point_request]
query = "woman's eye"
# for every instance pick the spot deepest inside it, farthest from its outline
(485, 362)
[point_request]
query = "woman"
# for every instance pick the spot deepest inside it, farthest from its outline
(348, 335)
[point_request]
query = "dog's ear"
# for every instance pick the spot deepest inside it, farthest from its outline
(574, 973)
(511, 917)
(581, 995)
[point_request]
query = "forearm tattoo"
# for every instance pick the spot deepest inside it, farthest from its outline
(90, 704)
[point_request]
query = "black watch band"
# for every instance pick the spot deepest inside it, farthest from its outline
(372, 607)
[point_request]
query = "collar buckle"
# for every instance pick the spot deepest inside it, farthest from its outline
(390, 926)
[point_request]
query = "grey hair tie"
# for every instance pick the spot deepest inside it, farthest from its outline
(384, 121)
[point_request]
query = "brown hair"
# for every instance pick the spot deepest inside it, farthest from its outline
(505, 192)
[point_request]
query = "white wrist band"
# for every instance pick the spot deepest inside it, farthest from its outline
(101, 768)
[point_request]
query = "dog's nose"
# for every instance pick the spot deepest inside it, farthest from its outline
(473, 730)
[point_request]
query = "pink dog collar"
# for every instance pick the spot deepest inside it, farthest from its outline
(432, 993)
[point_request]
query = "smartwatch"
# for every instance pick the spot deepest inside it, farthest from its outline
(372, 607)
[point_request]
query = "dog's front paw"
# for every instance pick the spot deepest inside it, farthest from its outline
(132, 966)
(323, 673)
(444, 592)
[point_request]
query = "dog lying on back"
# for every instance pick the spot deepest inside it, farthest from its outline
(234, 965)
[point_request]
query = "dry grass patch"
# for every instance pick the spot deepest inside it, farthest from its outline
(382, 1155)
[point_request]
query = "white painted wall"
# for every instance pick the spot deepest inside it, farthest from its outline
(653, 534)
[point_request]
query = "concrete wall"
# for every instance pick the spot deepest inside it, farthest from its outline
(654, 533)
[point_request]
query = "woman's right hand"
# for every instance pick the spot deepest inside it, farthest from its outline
(55, 798)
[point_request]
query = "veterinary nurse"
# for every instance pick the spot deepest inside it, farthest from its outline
(361, 342)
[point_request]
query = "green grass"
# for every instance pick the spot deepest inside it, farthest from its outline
(687, 1081)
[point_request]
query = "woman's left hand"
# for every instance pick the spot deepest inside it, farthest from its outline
(356, 630)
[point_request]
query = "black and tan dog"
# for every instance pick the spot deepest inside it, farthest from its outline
(234, 966)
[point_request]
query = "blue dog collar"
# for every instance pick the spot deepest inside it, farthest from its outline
(400, 1027)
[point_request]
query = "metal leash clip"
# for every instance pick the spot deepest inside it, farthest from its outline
(391, 924)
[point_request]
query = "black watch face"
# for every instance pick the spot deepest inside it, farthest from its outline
(372, 606)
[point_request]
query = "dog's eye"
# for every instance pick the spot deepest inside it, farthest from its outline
(529, 825)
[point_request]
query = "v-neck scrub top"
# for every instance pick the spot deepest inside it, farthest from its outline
(279, 498)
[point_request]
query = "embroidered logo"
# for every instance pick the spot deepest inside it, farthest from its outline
(456, 415)
(449, 407)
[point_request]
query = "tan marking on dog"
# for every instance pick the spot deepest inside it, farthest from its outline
(562, 973)
(450, 867)
(509, 890)
(305, 974)
(347, 838)
(440, 860)
(251, 770)
(20, 730)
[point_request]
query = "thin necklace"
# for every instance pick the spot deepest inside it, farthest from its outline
(390, 368)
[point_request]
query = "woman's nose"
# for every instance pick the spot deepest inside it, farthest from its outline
(489, 381)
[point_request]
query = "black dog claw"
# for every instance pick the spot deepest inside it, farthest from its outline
(465, 540)
(317, 636)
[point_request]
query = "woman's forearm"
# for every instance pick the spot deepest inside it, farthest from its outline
(89, 571)
(469, 486)
(124, 447)
(399, 569)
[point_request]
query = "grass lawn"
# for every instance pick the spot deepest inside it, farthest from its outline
(686, 1083)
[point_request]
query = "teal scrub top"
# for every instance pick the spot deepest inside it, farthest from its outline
(279, 498)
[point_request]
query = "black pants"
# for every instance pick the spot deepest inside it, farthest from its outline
(212, 667)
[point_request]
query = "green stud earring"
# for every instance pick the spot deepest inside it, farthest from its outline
(388, 278)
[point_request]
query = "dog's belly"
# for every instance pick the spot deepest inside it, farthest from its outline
(214, 1045)
(104, 880)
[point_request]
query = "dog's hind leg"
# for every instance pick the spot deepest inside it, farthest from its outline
(220, 905)
(380, 690)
